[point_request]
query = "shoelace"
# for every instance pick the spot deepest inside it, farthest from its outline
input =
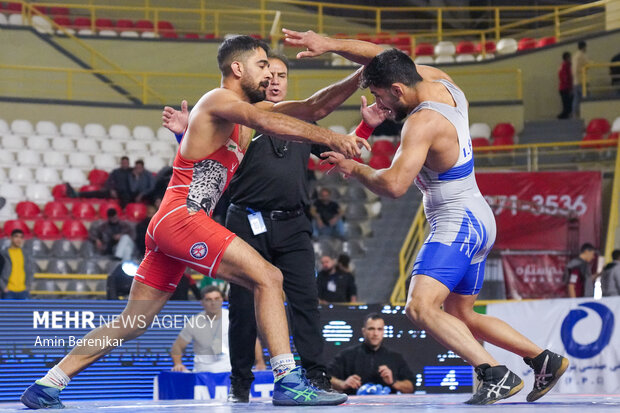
(307, 382)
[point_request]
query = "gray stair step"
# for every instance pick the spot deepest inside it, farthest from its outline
(552, 131)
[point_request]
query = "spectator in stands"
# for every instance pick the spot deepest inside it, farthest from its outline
(208, 330)
(327, 215)
(578, 274)
(566, 86)
(610, 277)
(113, 237)
(580, 59)
(371, 362)
(614, 73)
(116, 186)
(141, 182)
(159, 187)
(141, 228)
(17, 269)
(335, 281)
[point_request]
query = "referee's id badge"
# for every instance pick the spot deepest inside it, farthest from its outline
(256, 223)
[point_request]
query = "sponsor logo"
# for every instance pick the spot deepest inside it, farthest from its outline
(589, 350)
(198, 250)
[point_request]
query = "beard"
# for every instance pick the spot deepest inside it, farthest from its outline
(400, 112)
(254, 93)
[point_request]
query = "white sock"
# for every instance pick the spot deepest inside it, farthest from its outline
(282, 364)
(55, 377)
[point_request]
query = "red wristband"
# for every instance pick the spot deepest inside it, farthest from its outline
(364, 130)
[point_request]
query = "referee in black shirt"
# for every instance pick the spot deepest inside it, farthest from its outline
(272, 180)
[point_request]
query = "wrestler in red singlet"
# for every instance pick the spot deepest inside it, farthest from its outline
(182, 233)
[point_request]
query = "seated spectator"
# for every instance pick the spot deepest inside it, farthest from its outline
(16, 269)
(327, 215)
(334, 282)
(141, 182)
(159, 187)
(370, 362)
(116, 186)
(113, 237)
(578, 273)
(141, 228)
(208, 330)
(610, 277)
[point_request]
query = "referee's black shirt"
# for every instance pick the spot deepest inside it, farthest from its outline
(273, 174)
(365, 362)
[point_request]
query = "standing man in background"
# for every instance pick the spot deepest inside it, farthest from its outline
(272, 181)
(580, 59)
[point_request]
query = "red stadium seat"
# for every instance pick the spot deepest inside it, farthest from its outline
(40, 9)
(104, 206)
(59, 11)
(424, 49)
(379, 161)
(74, 230)
(382, 38)
(480, 142)
(592, 137)
(598, 126)
(546, 41)
(98, 177)
(46, 230)
(526, 43)
(402, 41)
(103, 24)
(192, 36)
(465, 48)
(144, 25)
(56, 210)
(256, 36)
(124, 24)
(62, 21)
(135, 211)
(27, 210)
(489, 47)
(383, 147)
(341, 36)
(59, 191)
(503, 140)
(503, 129)
(14, 7)
(82, 23)
(90, 187)
(363, 36)
(84, 210)
(210, 36)
(169, 35)
(13, 224)
(164, 25)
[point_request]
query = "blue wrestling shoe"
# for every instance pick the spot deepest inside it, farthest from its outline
(38, 396)
(294, 389)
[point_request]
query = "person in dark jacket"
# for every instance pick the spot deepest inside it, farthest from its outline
(566, 86)
(578, 274)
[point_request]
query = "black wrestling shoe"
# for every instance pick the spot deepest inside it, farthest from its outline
(321, 382)
(239, 391)
(496, 383)
(548, 368)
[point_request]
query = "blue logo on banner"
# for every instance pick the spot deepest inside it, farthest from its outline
(585, 351)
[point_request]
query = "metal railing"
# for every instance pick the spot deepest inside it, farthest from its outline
(600, 79)
(596, 154)
(422, 23)
(171, 88)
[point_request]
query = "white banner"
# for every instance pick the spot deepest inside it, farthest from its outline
(583, 330)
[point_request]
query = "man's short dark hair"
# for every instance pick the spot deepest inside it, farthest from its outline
(232, 48)
(280, 57)
(389, 67)
(16, 231)
(565, 55)
(209, 289)
(373, 316)
(111, 212)
(581, 45)
(615, 255)
(587, 247)
(124, 158)
(140, 161)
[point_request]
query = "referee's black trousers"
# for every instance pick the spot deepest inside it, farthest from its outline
(288, 246)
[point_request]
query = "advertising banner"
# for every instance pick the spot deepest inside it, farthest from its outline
(534, 275)
(583, 330)
(531, 208)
